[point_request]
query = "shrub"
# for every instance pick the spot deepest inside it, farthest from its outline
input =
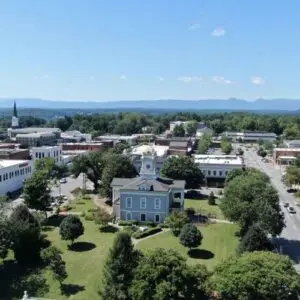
(150, 224)
(297, 194)
(150, 231)
(108, 228)
(211, 199)
(101, 216)
(127, 223)
(163, 225)
(88, 216)
(129, 229)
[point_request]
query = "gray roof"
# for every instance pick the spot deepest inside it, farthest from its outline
(159, 184)
(178, 144)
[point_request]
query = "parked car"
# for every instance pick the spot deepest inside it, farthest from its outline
(286, 204)
(63, 180)
(291, 190)
(291, 210)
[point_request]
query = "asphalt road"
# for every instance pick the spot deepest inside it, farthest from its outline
(289, 241)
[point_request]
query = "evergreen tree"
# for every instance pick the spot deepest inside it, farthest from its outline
(118, 269)
(25, 234)
(211, 199)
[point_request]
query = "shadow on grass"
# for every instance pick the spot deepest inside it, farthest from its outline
(54, 220)
(82, 246)
(200, 254)
(47, 228)
(80, 202)
(71, 289)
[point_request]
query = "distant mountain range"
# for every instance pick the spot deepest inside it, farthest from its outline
(229, 104)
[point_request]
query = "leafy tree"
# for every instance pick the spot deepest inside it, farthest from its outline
(297, 161)
(64, 123)
(120, 147)
(255, 240)
(211, 199)
(25, 235)
(292, 175)
(226, 147)
(190, 236)
(71, 228)
(268, 145)
(5, 233)
(256, 275)
(116, 166)
(249, 198)
(45, 165)
(52, 257)
(119, 268)
(191, 128)
(183, 168)
(36, 192)
(176, 220)
(92, 165)
(179, 131)
(163, 274)
(240, 151)
(204, 143)
(232, 174)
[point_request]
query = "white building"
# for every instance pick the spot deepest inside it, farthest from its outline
(218, 166)
(13, 173)
(293, 144)
(204, 131)
(136, 153)
(251, 136)
(74, 136)
(69, 155)
(54, 152)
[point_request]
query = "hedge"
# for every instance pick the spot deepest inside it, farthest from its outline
(150, 231)
(108, 228)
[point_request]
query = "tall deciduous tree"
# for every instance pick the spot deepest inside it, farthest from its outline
(71, 228)
(92, 165)
(204, 143)
(176, 220)
(255, 240)
(179, 131)
(183, 168)
(116, 166)
(249, 199)
(163, 274)
(190, 236)
(191, 128)
(257, 275)
(36, 192)
(25, 235)
(119, 267)
(226, 146)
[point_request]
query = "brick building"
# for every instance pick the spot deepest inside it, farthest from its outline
(16, 154)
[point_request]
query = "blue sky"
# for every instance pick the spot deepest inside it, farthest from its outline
(149, 49)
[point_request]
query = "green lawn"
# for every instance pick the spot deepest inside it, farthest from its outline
(219, 242)
(202, 206)
(84, 266)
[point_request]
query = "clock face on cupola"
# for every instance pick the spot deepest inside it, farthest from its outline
(148, 169)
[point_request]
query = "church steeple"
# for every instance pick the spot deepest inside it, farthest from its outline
(15, 113)
(14, 119)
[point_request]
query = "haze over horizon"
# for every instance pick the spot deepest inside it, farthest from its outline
(137, 50)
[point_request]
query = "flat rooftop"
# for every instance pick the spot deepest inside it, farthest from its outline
(84, 143)
(44, 148)
(218, 159)
(34, 129)
(116, 137)
(5, 163)
(288, 149)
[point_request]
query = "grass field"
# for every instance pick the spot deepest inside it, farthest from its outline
(84, 263)
(219, 242)
(203, 207)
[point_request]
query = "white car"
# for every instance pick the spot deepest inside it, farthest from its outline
(63, 180)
